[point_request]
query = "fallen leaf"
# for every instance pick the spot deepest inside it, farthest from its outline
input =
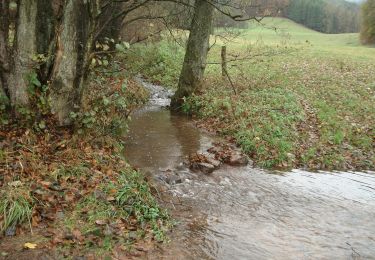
(78, 235)
(15, 184)
(56, 240)
(69, 196)
(30, 246)
(46, 183)
(112, 191)
(111, 199)
(100, 222)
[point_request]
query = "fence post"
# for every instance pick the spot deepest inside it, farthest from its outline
(224, 61)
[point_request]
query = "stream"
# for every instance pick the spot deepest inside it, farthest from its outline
(244, 212)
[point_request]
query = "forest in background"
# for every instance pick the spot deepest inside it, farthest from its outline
(326, 16)
(368, 22)
(336, 16)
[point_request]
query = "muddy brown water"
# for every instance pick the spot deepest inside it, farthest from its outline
(244, 212)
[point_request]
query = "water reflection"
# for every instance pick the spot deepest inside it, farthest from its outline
(187, 136)
(155, 134)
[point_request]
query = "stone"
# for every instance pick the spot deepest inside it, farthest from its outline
(11, 231)
(214, 162)
(238, 159)
(170, 178)
(214, 150)
(205, 168)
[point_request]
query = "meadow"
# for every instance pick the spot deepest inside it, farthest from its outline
(298, 98)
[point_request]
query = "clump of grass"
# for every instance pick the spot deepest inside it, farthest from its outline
(16, 206)
(134, 196)
(70, 172)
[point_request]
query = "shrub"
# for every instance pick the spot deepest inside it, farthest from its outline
(160, 62)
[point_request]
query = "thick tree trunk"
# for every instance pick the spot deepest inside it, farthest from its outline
(4, 66)
(74, 44)
(196, 53)
(25, 48)
(31, 27)
(4, 60)
(62, 30)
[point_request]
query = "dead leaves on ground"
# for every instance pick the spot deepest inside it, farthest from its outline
(59, 170)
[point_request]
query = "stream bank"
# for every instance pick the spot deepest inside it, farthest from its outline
(244, 212)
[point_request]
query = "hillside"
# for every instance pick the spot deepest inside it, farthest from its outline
(278, 31)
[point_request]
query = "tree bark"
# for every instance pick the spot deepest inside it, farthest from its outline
(4, 36)
(74, 44)
(25, 47)
(196, 53)
(34, 29)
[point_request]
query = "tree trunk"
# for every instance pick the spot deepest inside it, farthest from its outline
(74, 44)
(25, 47)
(33, 29)
(196, 53)
(4, 30)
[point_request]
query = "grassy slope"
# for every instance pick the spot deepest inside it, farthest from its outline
(305, 99)
(322, 44)
(312, 105)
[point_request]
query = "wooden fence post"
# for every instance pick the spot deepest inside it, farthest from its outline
(224, 66)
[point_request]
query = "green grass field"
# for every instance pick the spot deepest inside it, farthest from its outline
(277, 31)
(301, 98)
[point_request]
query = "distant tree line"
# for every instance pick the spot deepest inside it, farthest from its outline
(328, 16)
(368, 22)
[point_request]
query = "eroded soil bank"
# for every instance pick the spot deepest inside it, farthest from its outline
(248, 213)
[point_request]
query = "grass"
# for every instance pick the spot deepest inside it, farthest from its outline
(321, 44)
(303, 99)
(122, 211)
(16, 204)
(65, 173)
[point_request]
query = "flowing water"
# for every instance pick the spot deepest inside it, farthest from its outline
(248, 213)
